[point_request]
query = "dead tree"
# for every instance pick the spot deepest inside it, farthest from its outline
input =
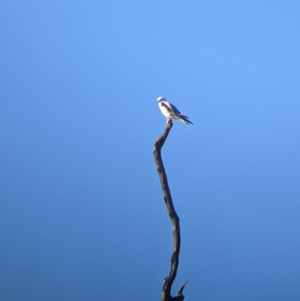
(168, 281)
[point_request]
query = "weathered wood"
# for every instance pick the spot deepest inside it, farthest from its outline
(168, 281)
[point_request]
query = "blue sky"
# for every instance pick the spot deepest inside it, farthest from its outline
(81, 210)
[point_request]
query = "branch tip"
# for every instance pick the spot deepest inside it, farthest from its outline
(182, 288)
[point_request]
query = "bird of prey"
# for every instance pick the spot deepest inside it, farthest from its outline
(170, 111)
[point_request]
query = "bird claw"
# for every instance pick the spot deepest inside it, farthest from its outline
(169, 121)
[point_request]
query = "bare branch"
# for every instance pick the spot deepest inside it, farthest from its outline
(168, 281)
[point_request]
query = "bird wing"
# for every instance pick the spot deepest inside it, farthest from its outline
(171, 107)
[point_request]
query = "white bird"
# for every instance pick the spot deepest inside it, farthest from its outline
(170, 111)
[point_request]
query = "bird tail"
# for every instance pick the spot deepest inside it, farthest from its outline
(185, 119)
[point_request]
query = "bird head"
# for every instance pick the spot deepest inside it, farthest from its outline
(160, 98)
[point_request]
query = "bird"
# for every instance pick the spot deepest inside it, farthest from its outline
(170, 111)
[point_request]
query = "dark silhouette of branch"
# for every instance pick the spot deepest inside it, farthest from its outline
(168, 281)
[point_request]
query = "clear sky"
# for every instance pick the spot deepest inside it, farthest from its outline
(81, 209)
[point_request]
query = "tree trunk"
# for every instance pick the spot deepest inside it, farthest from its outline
(168, 281)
